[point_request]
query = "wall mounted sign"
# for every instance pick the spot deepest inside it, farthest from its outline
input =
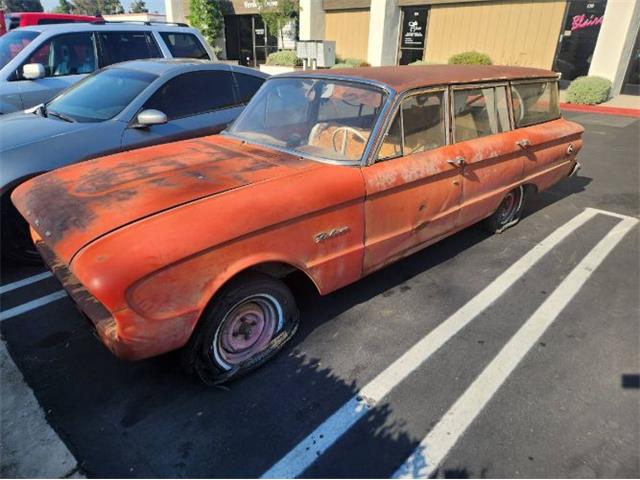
(414, 27)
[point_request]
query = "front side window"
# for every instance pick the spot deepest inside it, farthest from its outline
(193, 93)
(419, 126)
(70, 54)
(480, 112)
(101, 96)
(184, 45)
(12, 43)
(535, 103)
(125, 46)
(325, 119)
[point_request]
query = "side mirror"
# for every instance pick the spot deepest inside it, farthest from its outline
(33, 71)
(150, 117)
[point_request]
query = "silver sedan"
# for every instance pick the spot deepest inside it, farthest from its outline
(122, 107)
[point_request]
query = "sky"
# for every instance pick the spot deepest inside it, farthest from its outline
(152, 5)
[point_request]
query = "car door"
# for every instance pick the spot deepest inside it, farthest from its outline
(489, 159)
(413, 188)
(66, 59)
(196, 103)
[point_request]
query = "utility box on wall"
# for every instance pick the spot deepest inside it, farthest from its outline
(317, 53)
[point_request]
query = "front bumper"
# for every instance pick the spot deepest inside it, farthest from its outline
(127, 334)
(88, 305)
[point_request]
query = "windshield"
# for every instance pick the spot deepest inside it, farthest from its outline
(12, 43)
(323, 118)
(101, 96)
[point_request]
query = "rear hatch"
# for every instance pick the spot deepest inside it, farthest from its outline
(75, 205)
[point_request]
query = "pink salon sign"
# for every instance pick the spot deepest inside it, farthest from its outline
(582, 21)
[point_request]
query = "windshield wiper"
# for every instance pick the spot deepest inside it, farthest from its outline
(61, 116)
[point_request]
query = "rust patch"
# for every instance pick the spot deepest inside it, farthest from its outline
(51, 194)
(99, 180)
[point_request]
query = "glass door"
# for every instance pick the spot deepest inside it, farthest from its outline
(578, 39)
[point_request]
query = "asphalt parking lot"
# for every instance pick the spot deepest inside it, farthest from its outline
(513, 355)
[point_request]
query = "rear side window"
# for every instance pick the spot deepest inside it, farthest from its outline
(124, 46)
(480, 112)
(535, 103)
(248, 85)
(184, 45)
(193, 93)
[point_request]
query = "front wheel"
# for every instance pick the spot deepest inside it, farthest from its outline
(508, 213)
(247, 323)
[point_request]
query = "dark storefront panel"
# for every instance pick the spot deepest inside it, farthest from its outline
(248, 40)
(578, 38)
(413, 34)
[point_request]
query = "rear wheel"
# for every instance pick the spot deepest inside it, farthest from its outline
(508, 213)
(17, 245)
(248, 322)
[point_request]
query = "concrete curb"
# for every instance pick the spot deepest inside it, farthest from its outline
(29, 447)
(602, 110)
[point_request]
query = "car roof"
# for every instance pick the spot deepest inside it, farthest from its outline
(161, 66)
(407, 77)
(107, 26)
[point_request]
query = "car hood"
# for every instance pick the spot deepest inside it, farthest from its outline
(20, 129)
(74, 205)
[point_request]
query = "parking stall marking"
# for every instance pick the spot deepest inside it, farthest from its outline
(24, 282)
(307, 451)
(432, 450)
(33, 304)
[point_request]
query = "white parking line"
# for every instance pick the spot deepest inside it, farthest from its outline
(38, 302)
(436, 445)
(311, 447)
(24, 282)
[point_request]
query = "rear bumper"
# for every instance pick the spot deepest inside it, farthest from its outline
(575, 169)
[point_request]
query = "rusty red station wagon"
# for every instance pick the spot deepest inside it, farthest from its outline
(331, 174)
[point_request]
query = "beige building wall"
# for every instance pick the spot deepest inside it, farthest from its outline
(514, 32)
(350, 30)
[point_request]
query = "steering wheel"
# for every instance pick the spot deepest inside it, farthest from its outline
(347, 131)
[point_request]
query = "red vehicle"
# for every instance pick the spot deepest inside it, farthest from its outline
(23, 19)
(326, 175)
(3, 25)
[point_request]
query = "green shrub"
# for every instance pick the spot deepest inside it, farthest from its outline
(588, 90)
(470, 58)
(350, 63)
(284, 58)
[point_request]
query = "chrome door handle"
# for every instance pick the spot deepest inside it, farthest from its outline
(457, 162)
(524, 143)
